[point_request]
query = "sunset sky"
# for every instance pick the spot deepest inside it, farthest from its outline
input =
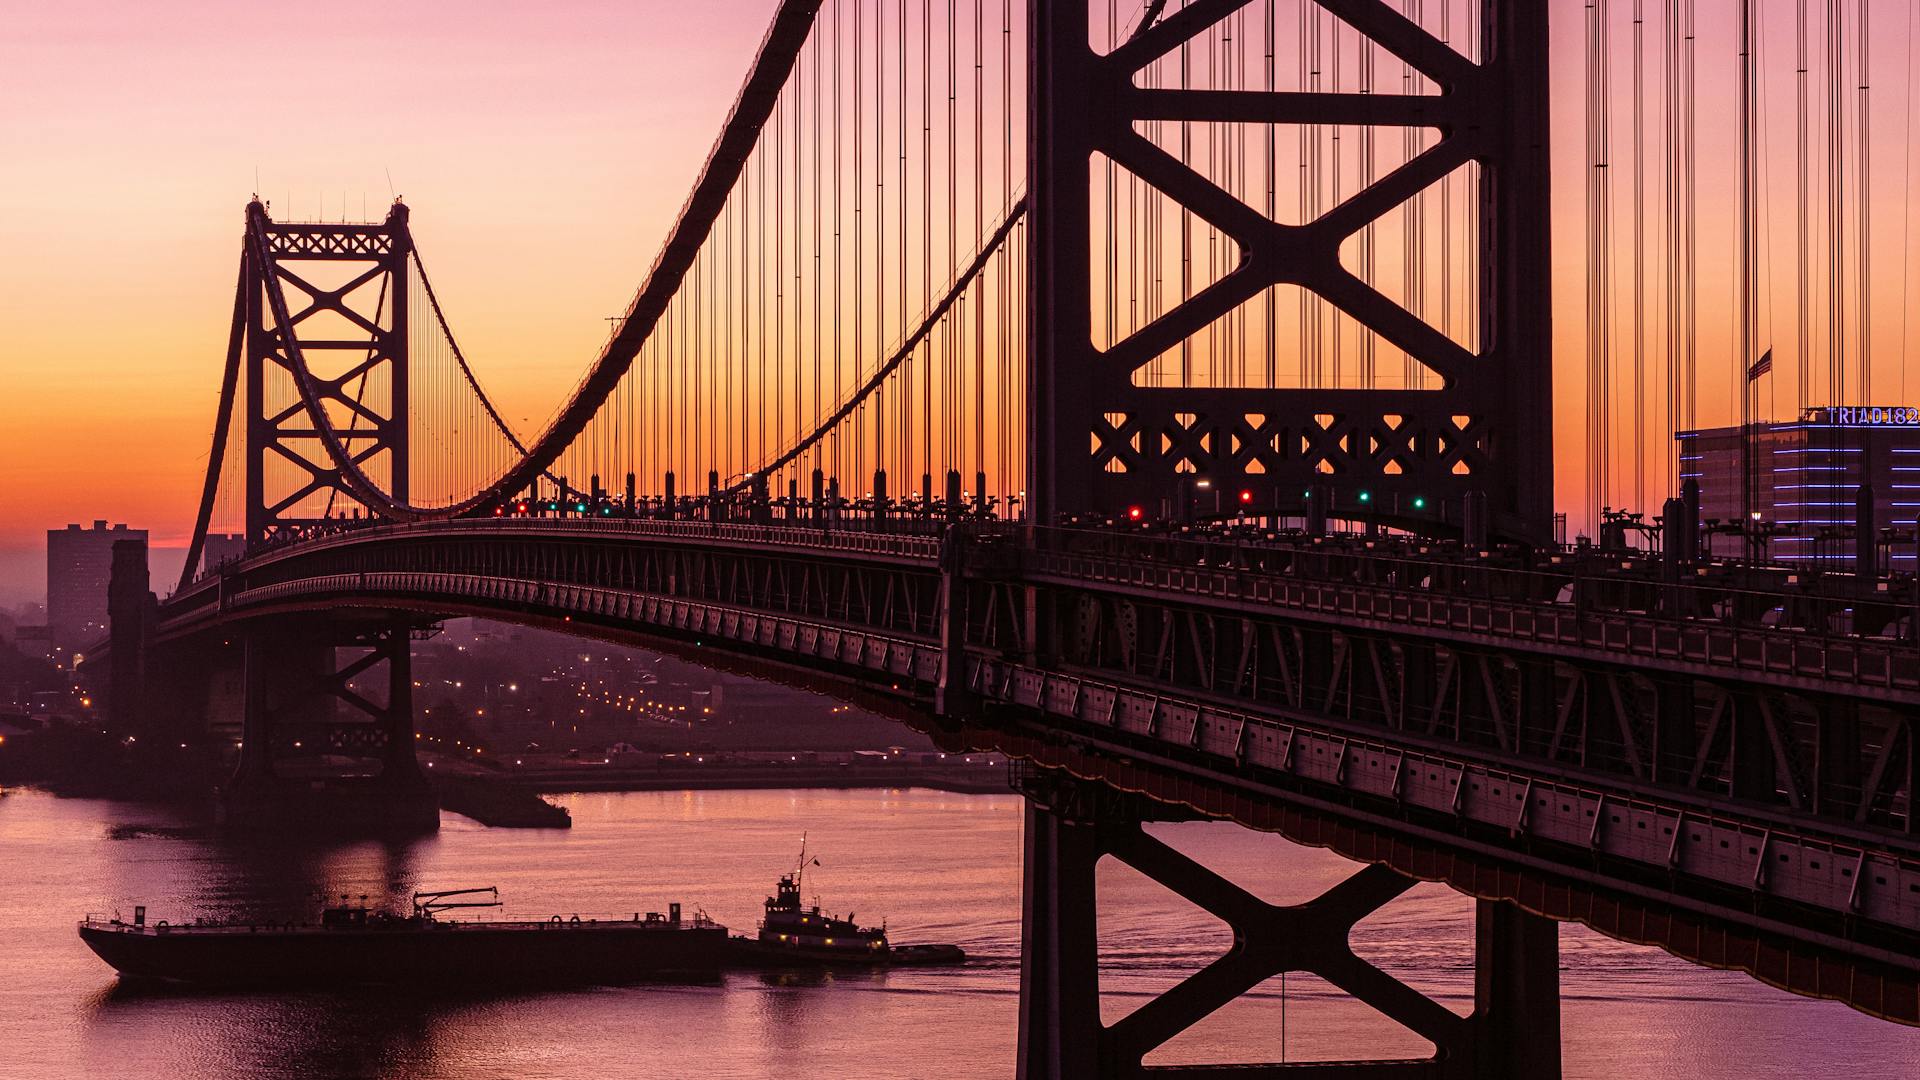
(544, 149)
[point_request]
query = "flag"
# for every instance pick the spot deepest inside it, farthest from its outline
(1761, 366)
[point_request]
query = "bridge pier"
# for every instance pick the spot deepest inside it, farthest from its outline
(1513, 1032)
(303, 765)
(130, 618)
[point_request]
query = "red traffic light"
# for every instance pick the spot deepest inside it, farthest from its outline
(1246, 496)
(1134, 513)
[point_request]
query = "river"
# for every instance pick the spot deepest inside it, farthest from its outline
(937, 867)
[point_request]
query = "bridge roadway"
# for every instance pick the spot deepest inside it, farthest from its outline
(1707, 767)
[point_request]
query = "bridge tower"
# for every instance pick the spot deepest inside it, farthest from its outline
(1476, 447)
(1472, 455)
(325, 699)
(342, 304)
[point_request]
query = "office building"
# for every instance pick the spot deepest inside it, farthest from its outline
(79, 564)
(1793, 487)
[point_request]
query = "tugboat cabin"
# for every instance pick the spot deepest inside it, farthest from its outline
(803, 929)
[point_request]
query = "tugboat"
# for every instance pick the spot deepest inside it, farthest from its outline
(353, 945)
(792, 935)
(805, 933)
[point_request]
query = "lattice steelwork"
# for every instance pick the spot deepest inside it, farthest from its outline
(1119, 424)
(352, 280)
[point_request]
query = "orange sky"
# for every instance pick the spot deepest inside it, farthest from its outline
(543, 149)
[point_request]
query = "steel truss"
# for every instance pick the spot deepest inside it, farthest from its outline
(1486, 431)
(1513, 1032)
(1813, 750)
(371, 391)
(900, 599)
(1590, 785)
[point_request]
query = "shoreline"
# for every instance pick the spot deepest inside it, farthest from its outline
(521, 798)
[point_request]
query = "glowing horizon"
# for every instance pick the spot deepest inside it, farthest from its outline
(544, 154)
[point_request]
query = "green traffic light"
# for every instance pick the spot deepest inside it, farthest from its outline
(1366, 496)
(1419, 502)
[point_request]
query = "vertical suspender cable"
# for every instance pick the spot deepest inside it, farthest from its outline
(880, 229)
(979, 223)
(806, 277)
(955, 325)
(1906, 210)
(1864, 197)
(1836, 212)
(778, 403)
(1271, 132)
(908, 371)
(1639, 257)
(859, 224)
(1600, 267)
(1446, 203)
(817, 266)
(834, 439)
(1802, 204)
(926, 233)
(1747, 272)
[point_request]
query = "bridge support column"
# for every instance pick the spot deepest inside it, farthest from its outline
(1516, 994)
(129, 630)
(1512, 1034)
(1059, 972)
(304, 765)
(400, 772)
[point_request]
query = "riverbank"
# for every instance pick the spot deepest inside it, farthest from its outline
(975, 774)
(499, 805)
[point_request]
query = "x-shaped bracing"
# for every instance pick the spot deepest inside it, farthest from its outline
(1272, 253)
(1269, 939)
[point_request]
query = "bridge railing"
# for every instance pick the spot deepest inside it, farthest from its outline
(860, 540)
(1555, 609)
(1593, 583)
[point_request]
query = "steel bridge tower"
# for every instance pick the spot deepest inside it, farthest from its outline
(322, 319)
(356, 311)
(1473, 454)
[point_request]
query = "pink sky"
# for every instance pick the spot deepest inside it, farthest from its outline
(543, 149)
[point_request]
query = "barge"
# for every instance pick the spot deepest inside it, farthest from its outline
(356, 946)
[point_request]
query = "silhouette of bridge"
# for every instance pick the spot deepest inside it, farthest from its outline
(984, 379)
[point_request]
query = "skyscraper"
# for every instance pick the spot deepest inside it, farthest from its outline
(79, 563)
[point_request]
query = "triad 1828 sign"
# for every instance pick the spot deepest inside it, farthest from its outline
(1863, 415)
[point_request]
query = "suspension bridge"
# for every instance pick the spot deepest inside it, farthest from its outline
(1162, 397)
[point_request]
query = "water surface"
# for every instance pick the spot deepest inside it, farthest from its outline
(936, 867)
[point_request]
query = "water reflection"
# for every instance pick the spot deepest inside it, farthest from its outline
(255, 877)
(937, 874)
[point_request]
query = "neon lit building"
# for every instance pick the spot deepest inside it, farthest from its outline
(1805, 476)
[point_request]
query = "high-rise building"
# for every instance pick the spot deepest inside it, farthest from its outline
(79, 564)
(1795, 486)
(222, 548)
